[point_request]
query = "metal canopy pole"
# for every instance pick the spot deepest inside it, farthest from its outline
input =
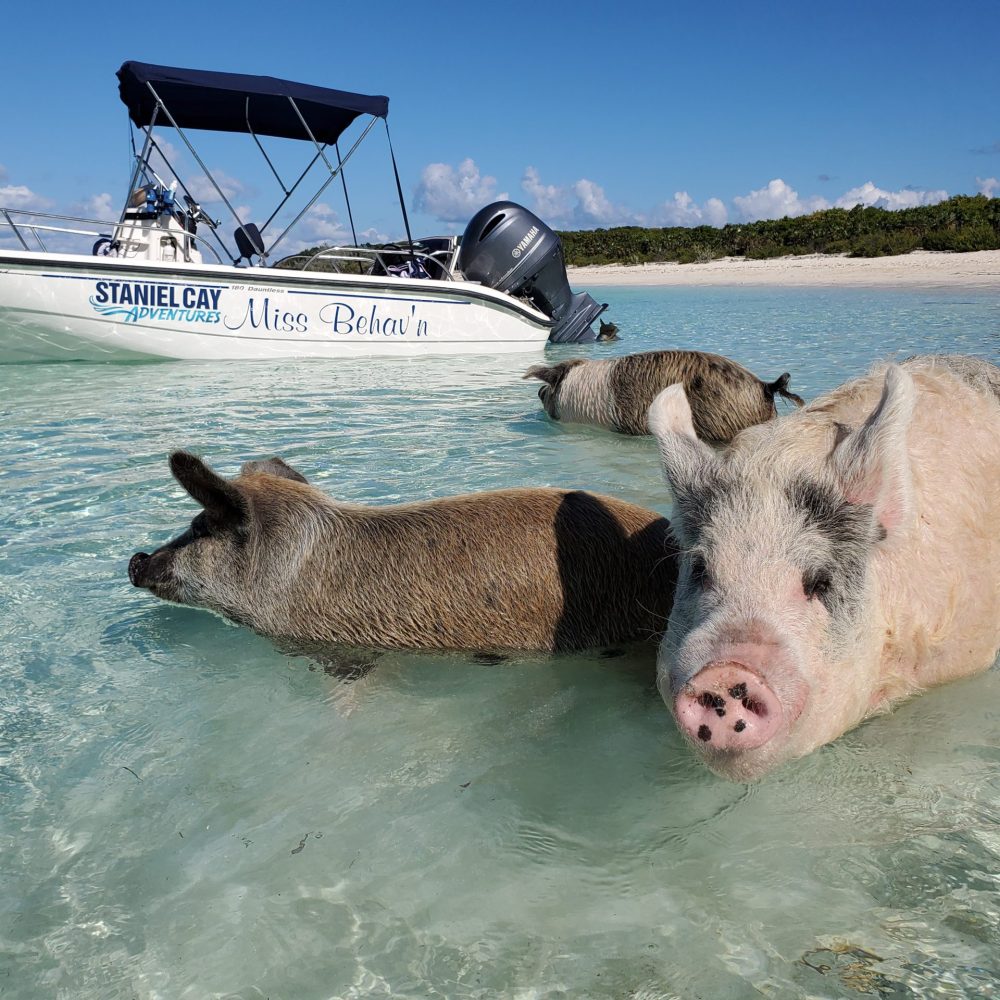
(187, 191)
(284, 200)
(343, 179)
(194, 153)
(281, 183)
(140, 160)
(320, 153)
(17, 232)
(333, 172)
(399, 189)
(288, 192)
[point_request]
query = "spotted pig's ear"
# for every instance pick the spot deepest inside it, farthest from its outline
(872, 463)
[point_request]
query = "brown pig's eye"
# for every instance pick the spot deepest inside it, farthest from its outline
(816, 583)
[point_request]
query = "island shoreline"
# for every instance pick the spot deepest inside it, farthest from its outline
(930, 269)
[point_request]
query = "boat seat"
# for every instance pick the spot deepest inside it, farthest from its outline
(249, 242)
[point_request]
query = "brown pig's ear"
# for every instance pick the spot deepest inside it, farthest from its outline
(214, 493)
(546, 373)
(275, 466)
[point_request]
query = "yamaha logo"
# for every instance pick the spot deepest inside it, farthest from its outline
(523, 245)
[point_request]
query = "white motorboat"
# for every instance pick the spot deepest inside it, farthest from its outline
(162, 281)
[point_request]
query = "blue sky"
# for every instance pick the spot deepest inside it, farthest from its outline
(592, 114)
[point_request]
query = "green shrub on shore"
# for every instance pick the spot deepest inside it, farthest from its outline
(974, 237)
(961, 223)
(884, 244)
(697, 254)
(765, 250)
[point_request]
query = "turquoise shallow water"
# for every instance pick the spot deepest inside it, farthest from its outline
(189, 813)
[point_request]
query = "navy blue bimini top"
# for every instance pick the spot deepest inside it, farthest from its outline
(236, 102)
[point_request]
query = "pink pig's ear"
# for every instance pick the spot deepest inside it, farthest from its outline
(872, 463)
(686, 459)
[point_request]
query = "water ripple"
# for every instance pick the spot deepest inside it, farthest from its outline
(189, 811)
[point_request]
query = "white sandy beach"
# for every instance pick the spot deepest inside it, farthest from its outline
(919, 269)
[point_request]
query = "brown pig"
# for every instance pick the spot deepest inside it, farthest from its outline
(836, 560)
(616, 392)
(516, 569)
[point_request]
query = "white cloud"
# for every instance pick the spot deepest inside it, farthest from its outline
(201, 188)
(204, 192)
(683, 211)
(715, 212)
(322, 224)
(871, 196)
(100, 207)
(594, 206)
(20, 197)
(989, 186)
(549, 200)
(778, 199)
(775, 201)
(455, 195)
(159, 164)
(584, 204)
(581, 205)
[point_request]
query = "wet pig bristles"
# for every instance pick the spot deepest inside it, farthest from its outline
(616, 392)
(517, 569)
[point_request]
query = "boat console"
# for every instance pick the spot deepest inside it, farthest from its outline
(155, 227)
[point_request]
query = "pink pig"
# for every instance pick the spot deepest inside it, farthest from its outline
(836, 560)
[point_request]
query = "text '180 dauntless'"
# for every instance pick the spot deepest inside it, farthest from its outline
(163, 280)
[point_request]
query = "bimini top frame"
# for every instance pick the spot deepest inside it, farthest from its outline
(255, 106)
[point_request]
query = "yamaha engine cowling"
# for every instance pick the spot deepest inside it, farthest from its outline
(508, 248)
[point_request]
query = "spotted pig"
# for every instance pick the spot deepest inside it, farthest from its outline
(835, 560)
(616, 392)
(516, 569)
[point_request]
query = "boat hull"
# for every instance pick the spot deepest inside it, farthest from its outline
(62, 307)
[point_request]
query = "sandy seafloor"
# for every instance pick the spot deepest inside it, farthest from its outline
(187, 812)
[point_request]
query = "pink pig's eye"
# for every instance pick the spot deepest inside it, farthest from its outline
(816, 583)
(700, 575)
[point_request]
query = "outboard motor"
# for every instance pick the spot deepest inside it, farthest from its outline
(508, 248)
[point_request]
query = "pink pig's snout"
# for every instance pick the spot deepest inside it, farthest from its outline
(726, 706)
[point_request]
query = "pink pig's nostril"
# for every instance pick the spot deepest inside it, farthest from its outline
(726, 706)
